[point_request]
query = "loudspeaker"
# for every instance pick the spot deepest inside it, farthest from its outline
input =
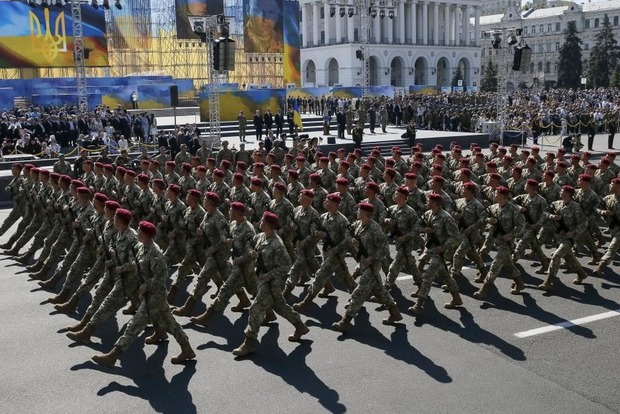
(224, 54)
(359, 55)
(331, 140)
(174, 96)
(522, 57)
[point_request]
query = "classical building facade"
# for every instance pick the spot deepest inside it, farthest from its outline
(411, 42)
(543, 30)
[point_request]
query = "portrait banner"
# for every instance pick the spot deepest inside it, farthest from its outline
(292, 43)
(186, 8)
(263, 25)
(43, 37)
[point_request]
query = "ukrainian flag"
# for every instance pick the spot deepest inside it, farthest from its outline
(297, 116)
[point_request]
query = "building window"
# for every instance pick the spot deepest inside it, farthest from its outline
(533, 29)
(531, 67)
(557, 46)
(525, 30)
(548, 67)
(596, 23)
(549, 28)
(542, 28)
(615, 20)
(587, 23)
(540, 66)
(558, 27)
(322, 13)
(586, 46)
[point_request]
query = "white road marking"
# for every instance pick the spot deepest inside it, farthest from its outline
(568, 324)
(409, 277)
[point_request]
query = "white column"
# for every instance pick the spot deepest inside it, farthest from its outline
(350, 28)
(453, 13)
(339, 31)
(466, 25)
(326, 22)
(315, 24)
(425, 22)
(304, 24)
(401, 21)
(457, 25)
(376, 24)
(414, 21)
(446, 24)
(390, 29)
(477, 26)
(436, 23)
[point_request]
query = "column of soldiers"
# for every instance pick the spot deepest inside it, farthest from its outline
(259, 230)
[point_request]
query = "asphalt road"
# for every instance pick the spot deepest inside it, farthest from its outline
(447, 361)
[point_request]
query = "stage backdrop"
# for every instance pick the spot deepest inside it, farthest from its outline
(356, 92)
(424, 89)
(7, 98)
(185, 8)
(132, 29)
(43, 37)
(317, 92)
(248, 101)
(292, 43)
(263, 26)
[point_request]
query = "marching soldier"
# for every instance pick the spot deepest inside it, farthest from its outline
(610, 210)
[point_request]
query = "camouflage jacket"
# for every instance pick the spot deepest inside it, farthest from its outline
(535, 206)
(469, 214)
(242, 235)
(272, 257)
(214, 228)
(372, 242)
(444, 228)
(588, 201)
(611, 203)
(509, 220)
(338, 237)
(306, 223)
(573, 219)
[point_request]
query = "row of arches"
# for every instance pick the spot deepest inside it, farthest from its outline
(399, 75)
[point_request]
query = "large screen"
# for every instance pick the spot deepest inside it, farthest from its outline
(185, 8)
(263, 26)
(43, 37)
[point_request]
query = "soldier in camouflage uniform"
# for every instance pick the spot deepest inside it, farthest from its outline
(284, 209)
(305, 225)
(171, 176)
(88, 178)
(570, 224)
(186, 181)
(98, 184)
(443, 237)
(145, 199)
(610, 210)
(242, 274)
(174, 226)
(111, 182)
(219, 187)
(272, 263)
(533, 207)
(19, 198)
(370, 243)
(36, 194)
(195, 252)
(589, 201)
(334, 230)
(157, 211)
(153, 272)
(507, 224)
(202, 182)
(294, 187)
(259, 200)
(551, 192)
(125, 284)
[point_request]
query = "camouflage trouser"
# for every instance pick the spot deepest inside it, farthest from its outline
(51, 239)
(92, 277)
(195, 256)
(38, 241)
(125, 287)
(26, 220)
(70, 257)
(594, 228)
(586, 239)
(612, 249)
(57, 247)
(402, 261)
(436, 268)
(306, 263)
(241, 276)
(466, 250)
(104, 289)
(161, 240)
(269, 296)
(503, 259)
(547, 232)
(287, 239)
(175, 252)
(565, 251)
(29, 232)
(216, 268)
(85, 259)
(14, 215)
(161, 318)
(332, 264)
(530, 240)
(369, 283)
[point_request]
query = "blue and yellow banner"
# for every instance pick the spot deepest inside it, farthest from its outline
(292, 43)
(43, 37)
(263, 26)
(186, 8)
(248, 101)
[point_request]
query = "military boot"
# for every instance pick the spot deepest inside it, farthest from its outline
(24, 258)
(247, 347)
(219, 285)
(50, 283)
(455, 302)
(415, 293)
(483, 291)
(327, 290)
(186, 309)
(35, 267)
(84, 335)
(62, 297)
(343, 324)
(186, 354)
(308, 300)
(482, 275)
(8, 244)
(68, 307)
(519, 285)
(80, 325)
(547, 284)
(131, 309)
(303, 280)
(109, 359)
(596, 257)
(300, 330)
(394, 317)
(270, 316)
(172, 294)
(581, 275)
(12, 252)
(544, 267)
(158, 336)
(244, 302)
(598, 272)
(418, 307)
(205, 318)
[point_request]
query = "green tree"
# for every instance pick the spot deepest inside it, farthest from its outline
(615, 77)
(458, 75)
(604, 55)
(489, 78)
(570, 68)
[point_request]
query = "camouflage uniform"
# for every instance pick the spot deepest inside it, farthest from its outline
(259, 203)
(534, 219)
(186, 182)
(144, 206)
(372, 244)
(172, 178)
(471, 220)
(153, 306)
(39, 219)
(175, 231)
(292, 192)
(19, 208)
(589, 201)
(306, 224)
(99, 182)
(194, 246)
(158, 209)
(510, 221)
(611, 203)
(111, 188)
(285, 211)
(272, 261)
(61, 236)
(222, 190)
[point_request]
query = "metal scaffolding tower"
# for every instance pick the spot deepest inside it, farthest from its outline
(78, 50)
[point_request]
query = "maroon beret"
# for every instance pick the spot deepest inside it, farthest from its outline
(495, 176)
(615, 181)
(159, 183)
(77, 183)
(238, 177)
(411, 176)
(237, 206)
(225, 163)
(335, 197)
(308, 193)
(271, 218)
(143, 178)
(342, 181)
(569, 189)
(170, 164)
(469, 186)
(83, 191)
(186, 167)
(124, 215)
(550, 173)
(280, 186)
(502, 190)
(194, 193)
(438, 179)
(201, 168)
(403, 190)
(585, 177)
(108, 167)
(130, 173)
(211, 196)
(275, 167)
(293, 173)
(219, 173)
(66, 179)
(55, 176)
(102, 198)
(174, 188)
(112, 205)
(533, 183)
(315, 177)
(17, 165)
(147, 228)
(44, 172)
(256, 181)
(492, 164)
(371, 185)
(301, 159)
(366, 207)
(390, 172)
(435, 197)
